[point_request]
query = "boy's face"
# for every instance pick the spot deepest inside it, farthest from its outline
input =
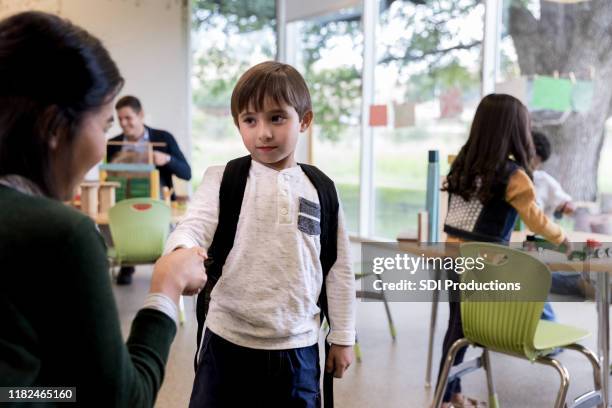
(537, 162)
(271, 135)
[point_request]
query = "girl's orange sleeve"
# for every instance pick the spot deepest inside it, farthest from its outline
(520, 194)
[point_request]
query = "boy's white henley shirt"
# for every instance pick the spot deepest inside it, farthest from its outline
(267, 295)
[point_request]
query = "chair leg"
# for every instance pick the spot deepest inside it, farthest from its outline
(111, 268)
(357, 349)
(486, 364)
(594, 364)
(388, 311)
(115, 267)
(432, 331)
(448, 362)
(181, 311)
(562, 393)
(325, 325)
(389, 318)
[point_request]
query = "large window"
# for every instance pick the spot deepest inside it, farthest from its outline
(428, 78)
(228, 38)
(329, 52)
(433, 62)
(555, 56)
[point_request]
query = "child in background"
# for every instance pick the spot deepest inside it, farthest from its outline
(260, 346)
(554, 201)
(489, 186)
(550, 196)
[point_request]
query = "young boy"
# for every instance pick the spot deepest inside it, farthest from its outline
(550, 196)
(260, 346)
(554, 201)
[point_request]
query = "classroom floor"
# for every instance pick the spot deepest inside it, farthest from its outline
(390, 374)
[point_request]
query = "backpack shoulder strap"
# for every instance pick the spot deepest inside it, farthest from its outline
(328, 200)
(231, 193)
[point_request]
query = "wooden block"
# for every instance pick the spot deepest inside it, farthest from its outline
(150, 155)
(106, 197)
(167, 194)
(89, 199)
(423, 227)
(155, 189)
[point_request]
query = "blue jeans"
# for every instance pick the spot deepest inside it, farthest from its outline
(229, 375)
(548, 313)
(563, 283)
(566, 283)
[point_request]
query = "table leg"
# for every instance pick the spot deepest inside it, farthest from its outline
(432, 330)
(603, 331)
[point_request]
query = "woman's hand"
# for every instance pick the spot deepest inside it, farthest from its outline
(180, 272)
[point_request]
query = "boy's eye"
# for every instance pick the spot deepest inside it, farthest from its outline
(278, 118)
(248, 121)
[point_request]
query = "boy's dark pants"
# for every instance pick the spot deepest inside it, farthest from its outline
(230, 376)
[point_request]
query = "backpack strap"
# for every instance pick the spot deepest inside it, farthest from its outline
(231, 193)
(328, 200)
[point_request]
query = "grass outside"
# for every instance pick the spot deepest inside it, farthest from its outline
(396, 209)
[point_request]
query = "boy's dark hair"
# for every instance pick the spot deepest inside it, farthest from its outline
(280, 82)
(542, 145)
(52, 73)
(501, 128)
(129, 101)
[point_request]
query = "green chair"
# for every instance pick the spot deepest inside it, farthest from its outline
(495, 321)
(376, 295)
(139, 228)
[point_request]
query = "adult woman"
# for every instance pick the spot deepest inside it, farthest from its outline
(60, 322)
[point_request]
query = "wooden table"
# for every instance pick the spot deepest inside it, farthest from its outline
(556, 262)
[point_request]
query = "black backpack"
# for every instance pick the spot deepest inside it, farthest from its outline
(231, 193)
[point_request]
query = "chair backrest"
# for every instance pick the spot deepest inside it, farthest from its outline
(139, 227)
(496, 319)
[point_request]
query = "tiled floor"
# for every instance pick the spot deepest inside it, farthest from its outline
(391, 374)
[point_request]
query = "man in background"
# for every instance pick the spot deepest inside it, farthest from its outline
(168, 158)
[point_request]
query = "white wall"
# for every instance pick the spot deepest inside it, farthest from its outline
(149, 41)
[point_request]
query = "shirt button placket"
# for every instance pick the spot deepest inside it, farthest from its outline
(284, 204)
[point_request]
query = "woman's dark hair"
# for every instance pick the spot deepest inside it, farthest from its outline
(500, 130)
(542, 145)
(51, 73)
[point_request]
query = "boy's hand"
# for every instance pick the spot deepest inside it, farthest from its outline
(569, 208)
(179, 272)
(569, 248)
(339, 359)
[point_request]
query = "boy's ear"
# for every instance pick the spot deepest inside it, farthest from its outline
(306, 121)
